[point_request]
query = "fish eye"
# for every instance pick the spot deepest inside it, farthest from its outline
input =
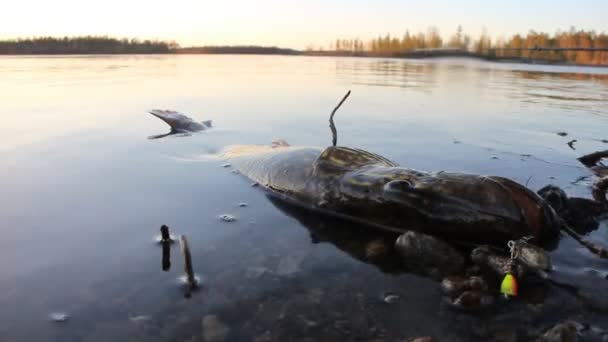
(399, 185)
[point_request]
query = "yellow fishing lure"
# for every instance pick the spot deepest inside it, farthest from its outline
(508, 287)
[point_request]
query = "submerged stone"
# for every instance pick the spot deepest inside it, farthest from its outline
(424, 251)
(59, 317)
(227, 218)
(213, 329)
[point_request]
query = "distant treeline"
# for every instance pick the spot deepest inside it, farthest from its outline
(84, 45)
(242, 50)
(533, 46)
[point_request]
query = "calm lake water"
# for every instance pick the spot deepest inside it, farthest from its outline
(84, 192)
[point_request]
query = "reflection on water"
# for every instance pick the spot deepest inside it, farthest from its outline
(84, 192)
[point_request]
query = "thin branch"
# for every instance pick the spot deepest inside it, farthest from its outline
(594, 248)
(332, 126)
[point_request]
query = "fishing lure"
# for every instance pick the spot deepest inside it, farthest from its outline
(509, 287)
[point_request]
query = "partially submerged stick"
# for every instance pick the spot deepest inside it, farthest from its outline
(594, 248)
(166, 256)
(165, 237)
(190, 278)
(332, 126)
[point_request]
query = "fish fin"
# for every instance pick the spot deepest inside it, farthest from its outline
(344, 159)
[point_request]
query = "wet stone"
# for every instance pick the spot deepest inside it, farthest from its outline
(213, 329)
(256, 272)
(59, 317)
(243, 204)
(424, 251)
(562, 134)
(422, 339)
(375, 249)
(562, 332)
(391, 298)
(139, 319)
(289, 265)
(226, 165)
(227, 218)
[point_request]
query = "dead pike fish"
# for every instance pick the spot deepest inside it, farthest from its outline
(367, 188)
(179, 122)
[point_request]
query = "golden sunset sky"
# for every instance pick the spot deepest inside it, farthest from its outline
(290, 23)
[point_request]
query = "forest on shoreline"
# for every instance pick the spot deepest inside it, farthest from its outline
(573, 46)
(83, 45)
(564, 47)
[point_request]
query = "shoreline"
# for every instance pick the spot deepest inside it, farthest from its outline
(411, 55)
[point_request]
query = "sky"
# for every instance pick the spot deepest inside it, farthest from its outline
(291, 23)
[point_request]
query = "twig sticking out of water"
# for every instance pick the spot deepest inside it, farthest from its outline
(190, 278)
(165, 237)
(571, 144)
(332, 126)
(166, 256)
(594, 248)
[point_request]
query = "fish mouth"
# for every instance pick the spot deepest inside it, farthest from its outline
(163, 115)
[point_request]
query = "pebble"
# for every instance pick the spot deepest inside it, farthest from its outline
(242, 205)
(562, 332)
(562, 134)
(235, 171)
(289, 265)
(227, 218)
(256, 272)
(227, 165)
(213, 329)
(375, 249)
(424, 251)
(58, 317)
(139, 319)
(423, 339)
(391, 298)
(493, 157)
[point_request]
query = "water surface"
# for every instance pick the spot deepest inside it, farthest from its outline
(84, 191)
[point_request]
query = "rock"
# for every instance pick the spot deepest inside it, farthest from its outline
(227, 165)
(139, 319)
(454, 286)
(289, 265)
(243, 204)
(423, 339)
(235, 171)
(59, 317)
(265, 337)
(424, 251)
(471, 301)
(505, 336)
(562, 134)
(533, 256)
(489, 261)
(255, 272)
(227, 218)
(375, 249)
(213, 329)
(562, 332)
(391, 298)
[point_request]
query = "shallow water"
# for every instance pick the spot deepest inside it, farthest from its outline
(84, 192)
